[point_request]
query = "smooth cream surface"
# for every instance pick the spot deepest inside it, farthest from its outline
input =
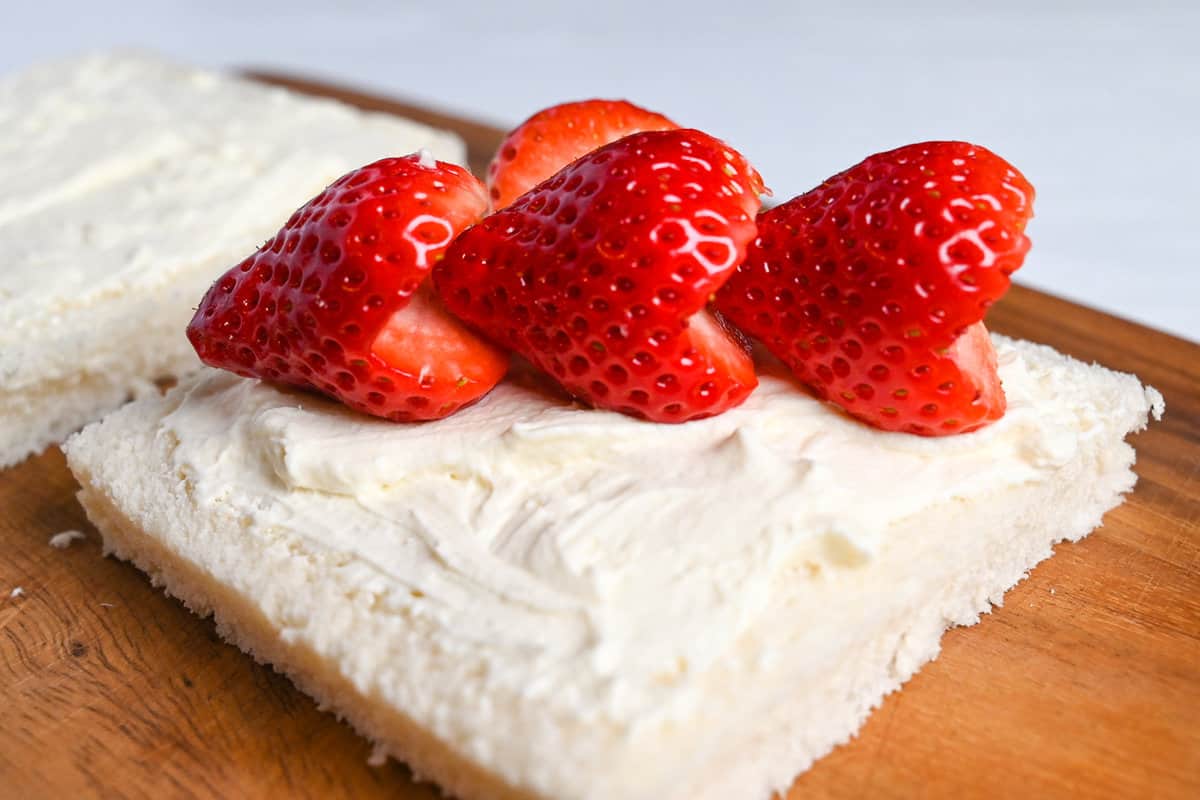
(607, 557)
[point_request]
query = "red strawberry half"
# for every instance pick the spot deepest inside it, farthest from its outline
(872, 287)
(556, 136)
(338, 302)
(601, 275)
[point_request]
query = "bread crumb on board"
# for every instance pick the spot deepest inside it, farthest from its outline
(16, 592)
(63, 540)
(379, 755)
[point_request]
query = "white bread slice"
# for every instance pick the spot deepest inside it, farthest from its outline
(130, 184)
(822, 633)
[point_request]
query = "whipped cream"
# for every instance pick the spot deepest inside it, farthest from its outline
(545, 531)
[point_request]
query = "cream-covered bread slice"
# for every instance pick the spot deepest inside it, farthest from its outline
(533, 600)
(130, 184)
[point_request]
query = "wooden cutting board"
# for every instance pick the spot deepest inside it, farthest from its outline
(1085, 684)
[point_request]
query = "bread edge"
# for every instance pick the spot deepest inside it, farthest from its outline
(242, 625)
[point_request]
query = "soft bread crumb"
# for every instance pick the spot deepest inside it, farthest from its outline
(63, 540)
(17, 592)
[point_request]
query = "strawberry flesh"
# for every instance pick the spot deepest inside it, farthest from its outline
(872, 286)
(556, 136)
(975, 357)
(728, 351)
(424, 340)
(336, 301)
(601, 275)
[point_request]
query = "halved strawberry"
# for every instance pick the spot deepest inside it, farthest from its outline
(337, 300)
(872, 287)
(556, 136)
(601, 275)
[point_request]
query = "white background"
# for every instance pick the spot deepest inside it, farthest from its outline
(1098, 103)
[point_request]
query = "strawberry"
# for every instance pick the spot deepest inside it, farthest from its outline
(601, 275)
(872, 286)
(337, 301)
(556, 136)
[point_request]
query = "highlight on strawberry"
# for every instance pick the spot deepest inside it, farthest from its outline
(556, 136)
(338, 301)
(602, 274)
(873, 286)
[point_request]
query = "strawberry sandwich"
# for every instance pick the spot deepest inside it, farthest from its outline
(600, 481)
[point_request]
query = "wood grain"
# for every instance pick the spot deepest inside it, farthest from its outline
(1086, 683)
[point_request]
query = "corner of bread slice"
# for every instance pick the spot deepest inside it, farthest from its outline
(146, 514)
(54, 385)
(829, 634)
